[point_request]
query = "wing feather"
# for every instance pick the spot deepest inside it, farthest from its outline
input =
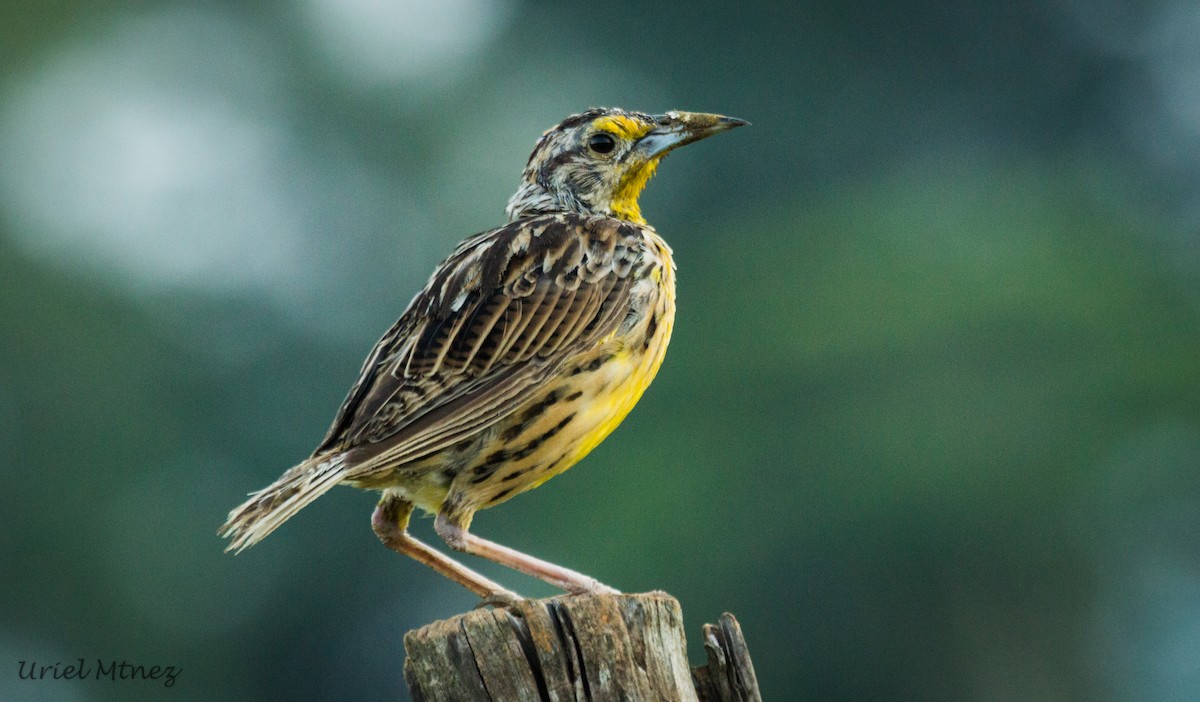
(495, 321)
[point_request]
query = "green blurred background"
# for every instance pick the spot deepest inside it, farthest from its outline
(930, 422)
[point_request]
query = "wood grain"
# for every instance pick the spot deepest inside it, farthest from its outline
(576, 648)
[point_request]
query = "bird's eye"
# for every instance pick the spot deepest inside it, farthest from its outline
(602, 143)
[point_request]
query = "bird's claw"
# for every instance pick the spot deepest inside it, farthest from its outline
(502, 599)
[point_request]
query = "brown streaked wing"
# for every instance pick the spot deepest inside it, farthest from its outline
(494, 322)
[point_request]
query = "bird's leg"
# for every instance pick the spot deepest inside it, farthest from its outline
(458, 538)
(390, 522)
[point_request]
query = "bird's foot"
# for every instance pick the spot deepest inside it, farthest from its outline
(501, 599)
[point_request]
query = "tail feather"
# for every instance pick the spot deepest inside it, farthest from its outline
(275, 504)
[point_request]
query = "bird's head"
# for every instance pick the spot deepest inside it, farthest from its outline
(597, 162)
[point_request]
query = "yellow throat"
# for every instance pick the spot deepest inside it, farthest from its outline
(625, 200)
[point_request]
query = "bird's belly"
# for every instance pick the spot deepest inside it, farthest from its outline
(560, 426)
(540, 439)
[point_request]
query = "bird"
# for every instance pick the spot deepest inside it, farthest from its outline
(525, 349)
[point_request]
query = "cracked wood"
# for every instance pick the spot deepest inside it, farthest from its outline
(574, 648)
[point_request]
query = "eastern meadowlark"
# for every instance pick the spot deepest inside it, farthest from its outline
(525, 349)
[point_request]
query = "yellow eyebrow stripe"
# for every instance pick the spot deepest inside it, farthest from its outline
(623, 126)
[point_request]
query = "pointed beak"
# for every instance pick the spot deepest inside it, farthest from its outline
(678, 128)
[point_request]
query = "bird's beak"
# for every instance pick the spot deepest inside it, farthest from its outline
(678, 128)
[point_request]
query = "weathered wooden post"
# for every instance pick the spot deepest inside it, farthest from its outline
(574, 648)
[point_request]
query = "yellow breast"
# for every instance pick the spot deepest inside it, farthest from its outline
(591, 396)
(621, 381)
